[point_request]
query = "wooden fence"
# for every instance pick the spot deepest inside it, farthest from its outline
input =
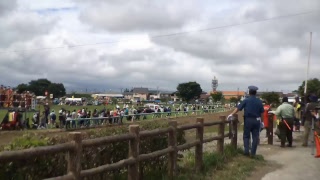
(74, 148)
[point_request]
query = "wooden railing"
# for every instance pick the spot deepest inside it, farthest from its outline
(74, 148)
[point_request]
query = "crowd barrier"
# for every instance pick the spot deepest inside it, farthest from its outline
(98, 121)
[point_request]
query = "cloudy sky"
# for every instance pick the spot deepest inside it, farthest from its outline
(103, 45)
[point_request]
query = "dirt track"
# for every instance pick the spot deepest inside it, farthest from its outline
(7, 136)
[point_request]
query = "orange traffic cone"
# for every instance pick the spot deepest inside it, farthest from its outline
(317, 142)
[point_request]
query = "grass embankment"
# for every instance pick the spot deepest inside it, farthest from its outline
(231, 165)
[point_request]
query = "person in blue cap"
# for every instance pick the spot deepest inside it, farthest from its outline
(253, 112)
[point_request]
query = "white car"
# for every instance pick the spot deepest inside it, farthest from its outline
(153, 107)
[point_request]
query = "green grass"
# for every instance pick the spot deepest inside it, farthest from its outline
(231, 165)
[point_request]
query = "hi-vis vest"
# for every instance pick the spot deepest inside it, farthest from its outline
(12, 116)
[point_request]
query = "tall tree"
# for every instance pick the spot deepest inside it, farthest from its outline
(189, 91)
(57, 89)
(217, 96)
(40, 86)
(22, 87)
(233, 100)
(271, 97)
(313, 86)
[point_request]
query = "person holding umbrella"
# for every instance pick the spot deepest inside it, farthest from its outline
(285, 112)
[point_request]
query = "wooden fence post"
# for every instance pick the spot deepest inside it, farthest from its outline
(199, 147)
(172, 141)
(234, 124)
(74, 157)
(220, 143)
(133, 173)
(270, 128)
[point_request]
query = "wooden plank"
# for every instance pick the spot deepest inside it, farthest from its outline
(144, 157)
(155, 132)
(172, 156)
(212, 123)
(234, 140)
(74, 157)
(212, 139)
(187, 145)
(108, 167)
(7, 156)
(270, 128)
(188, 126)
(199, 147)
(220, 144)
(106, 140)
(133, 172)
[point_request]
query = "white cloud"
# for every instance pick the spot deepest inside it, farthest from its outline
(270, 54)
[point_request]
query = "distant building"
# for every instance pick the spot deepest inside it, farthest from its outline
(233, 94)
(140, 94)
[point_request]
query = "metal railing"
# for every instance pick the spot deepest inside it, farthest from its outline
(98, 121)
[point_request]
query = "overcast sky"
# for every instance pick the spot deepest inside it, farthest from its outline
(124, 47)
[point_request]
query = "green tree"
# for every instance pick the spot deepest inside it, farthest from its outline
(57, 89)
(233, 100)
(40, 86)
(313, 86)
(22, 88)
(271, 97)
(189, 91)
(217, 96)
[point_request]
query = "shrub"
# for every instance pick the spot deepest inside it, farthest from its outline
(56, 165)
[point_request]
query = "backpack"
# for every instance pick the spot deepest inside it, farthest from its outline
(53, 117)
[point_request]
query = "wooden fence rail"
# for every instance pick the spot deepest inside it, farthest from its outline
(74, 148)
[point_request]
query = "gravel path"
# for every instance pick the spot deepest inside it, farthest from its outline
(294, 163)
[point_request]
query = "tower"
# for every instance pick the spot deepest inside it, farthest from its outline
(214, 84)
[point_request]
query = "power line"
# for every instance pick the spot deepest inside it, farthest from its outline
(171, 34)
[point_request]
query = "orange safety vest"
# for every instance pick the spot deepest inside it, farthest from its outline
(265, 115)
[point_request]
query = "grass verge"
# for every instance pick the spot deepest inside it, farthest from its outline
(231, 165)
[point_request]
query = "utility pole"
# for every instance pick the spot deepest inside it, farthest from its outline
(308, 66)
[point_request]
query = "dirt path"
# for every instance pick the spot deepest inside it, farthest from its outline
(294, 163)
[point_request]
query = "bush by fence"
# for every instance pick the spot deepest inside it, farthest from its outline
(49, 165)
(99, 157)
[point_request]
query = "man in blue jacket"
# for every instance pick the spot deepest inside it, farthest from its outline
(253, 112)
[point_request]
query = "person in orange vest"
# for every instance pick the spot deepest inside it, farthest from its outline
(266, 108)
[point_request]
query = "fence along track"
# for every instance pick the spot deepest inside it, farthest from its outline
(73, 149)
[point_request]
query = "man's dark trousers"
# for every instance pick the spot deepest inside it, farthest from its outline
(251, 126)
(285, 132)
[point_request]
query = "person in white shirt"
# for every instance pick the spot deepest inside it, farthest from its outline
(73, 114)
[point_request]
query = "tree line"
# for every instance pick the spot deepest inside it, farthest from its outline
(192, 90)
(40, 86)
(187, 91)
